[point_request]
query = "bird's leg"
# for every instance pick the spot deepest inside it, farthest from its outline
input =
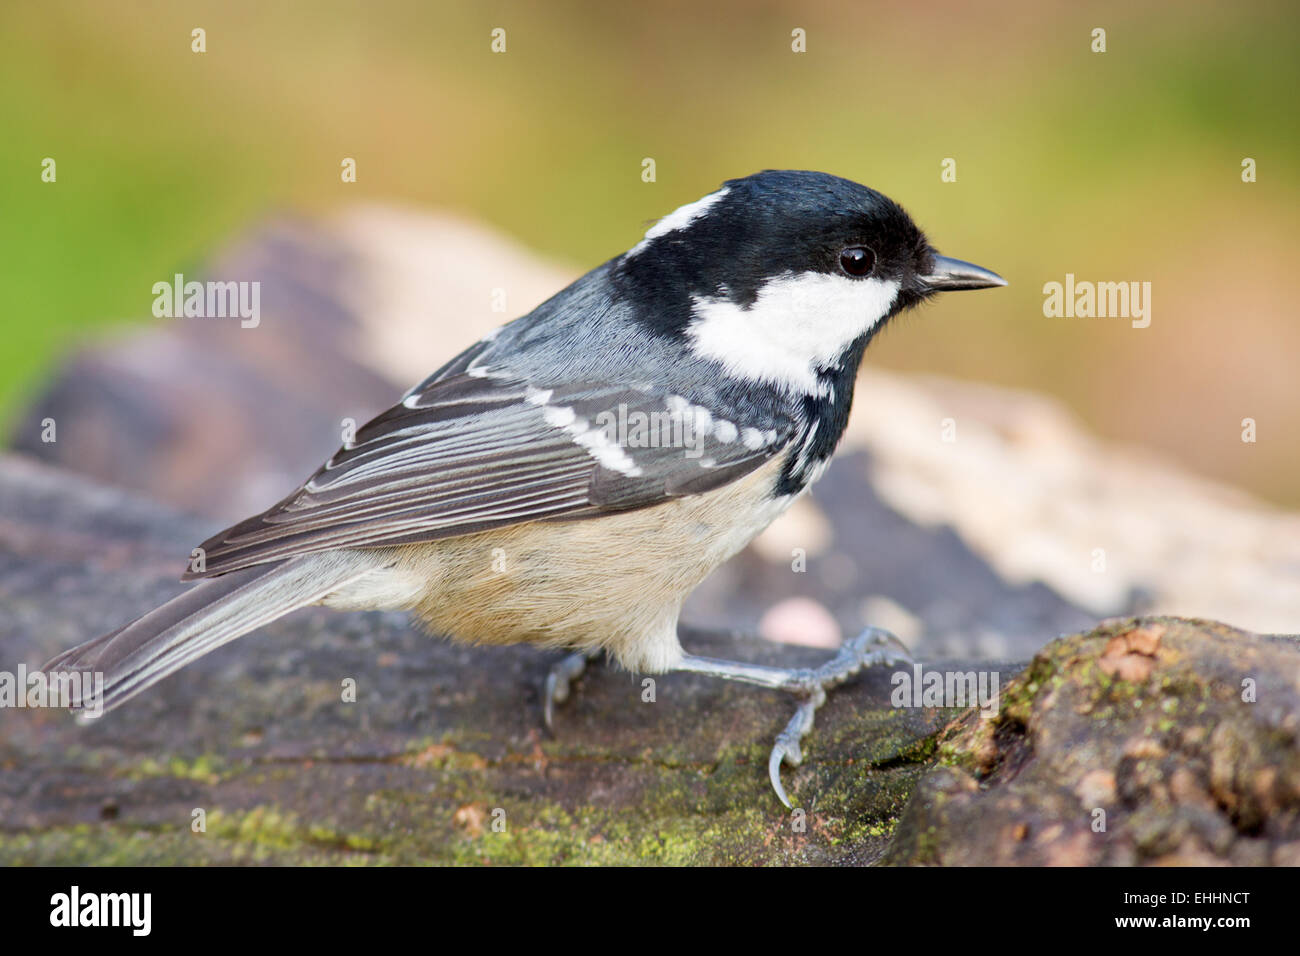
(559, 680)
(872, 647)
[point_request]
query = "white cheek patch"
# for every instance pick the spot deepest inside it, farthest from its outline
(677, 219)
(798, 323)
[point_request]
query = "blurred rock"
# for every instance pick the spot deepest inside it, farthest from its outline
(1106, 526)
(800, 621)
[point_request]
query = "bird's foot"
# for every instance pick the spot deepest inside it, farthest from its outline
(872, 647)
(559, 682)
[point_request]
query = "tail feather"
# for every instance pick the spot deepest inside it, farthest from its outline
(212, 613)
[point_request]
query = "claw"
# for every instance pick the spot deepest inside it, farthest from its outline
(774, 773)
(788, 742)
(553, 693)
(559, 681)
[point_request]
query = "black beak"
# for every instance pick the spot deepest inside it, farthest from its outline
(949, 274)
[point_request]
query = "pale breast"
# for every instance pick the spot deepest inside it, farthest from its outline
(616, 581)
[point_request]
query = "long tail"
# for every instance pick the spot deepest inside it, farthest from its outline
(212, 613)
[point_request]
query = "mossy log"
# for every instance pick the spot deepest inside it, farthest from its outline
(442, 757)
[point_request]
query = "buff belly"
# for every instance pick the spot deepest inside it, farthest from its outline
(615, 582)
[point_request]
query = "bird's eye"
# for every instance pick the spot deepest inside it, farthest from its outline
(857, 261)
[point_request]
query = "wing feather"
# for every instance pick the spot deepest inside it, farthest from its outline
(468, 452)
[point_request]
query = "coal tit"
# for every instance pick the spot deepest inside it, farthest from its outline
(568, 480)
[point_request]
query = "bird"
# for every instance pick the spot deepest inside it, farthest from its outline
(569, 479)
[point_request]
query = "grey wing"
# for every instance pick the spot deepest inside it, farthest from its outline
(469, 452)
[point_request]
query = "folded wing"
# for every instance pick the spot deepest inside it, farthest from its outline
(468, 451)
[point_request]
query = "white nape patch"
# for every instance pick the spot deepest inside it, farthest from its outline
(677, 219)
(596, 443)
(798, 323)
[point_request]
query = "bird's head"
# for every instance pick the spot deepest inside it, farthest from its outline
(784, 275)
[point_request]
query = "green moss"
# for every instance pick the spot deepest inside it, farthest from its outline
(206, 768)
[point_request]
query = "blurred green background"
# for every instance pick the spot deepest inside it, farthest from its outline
(1117, 166)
